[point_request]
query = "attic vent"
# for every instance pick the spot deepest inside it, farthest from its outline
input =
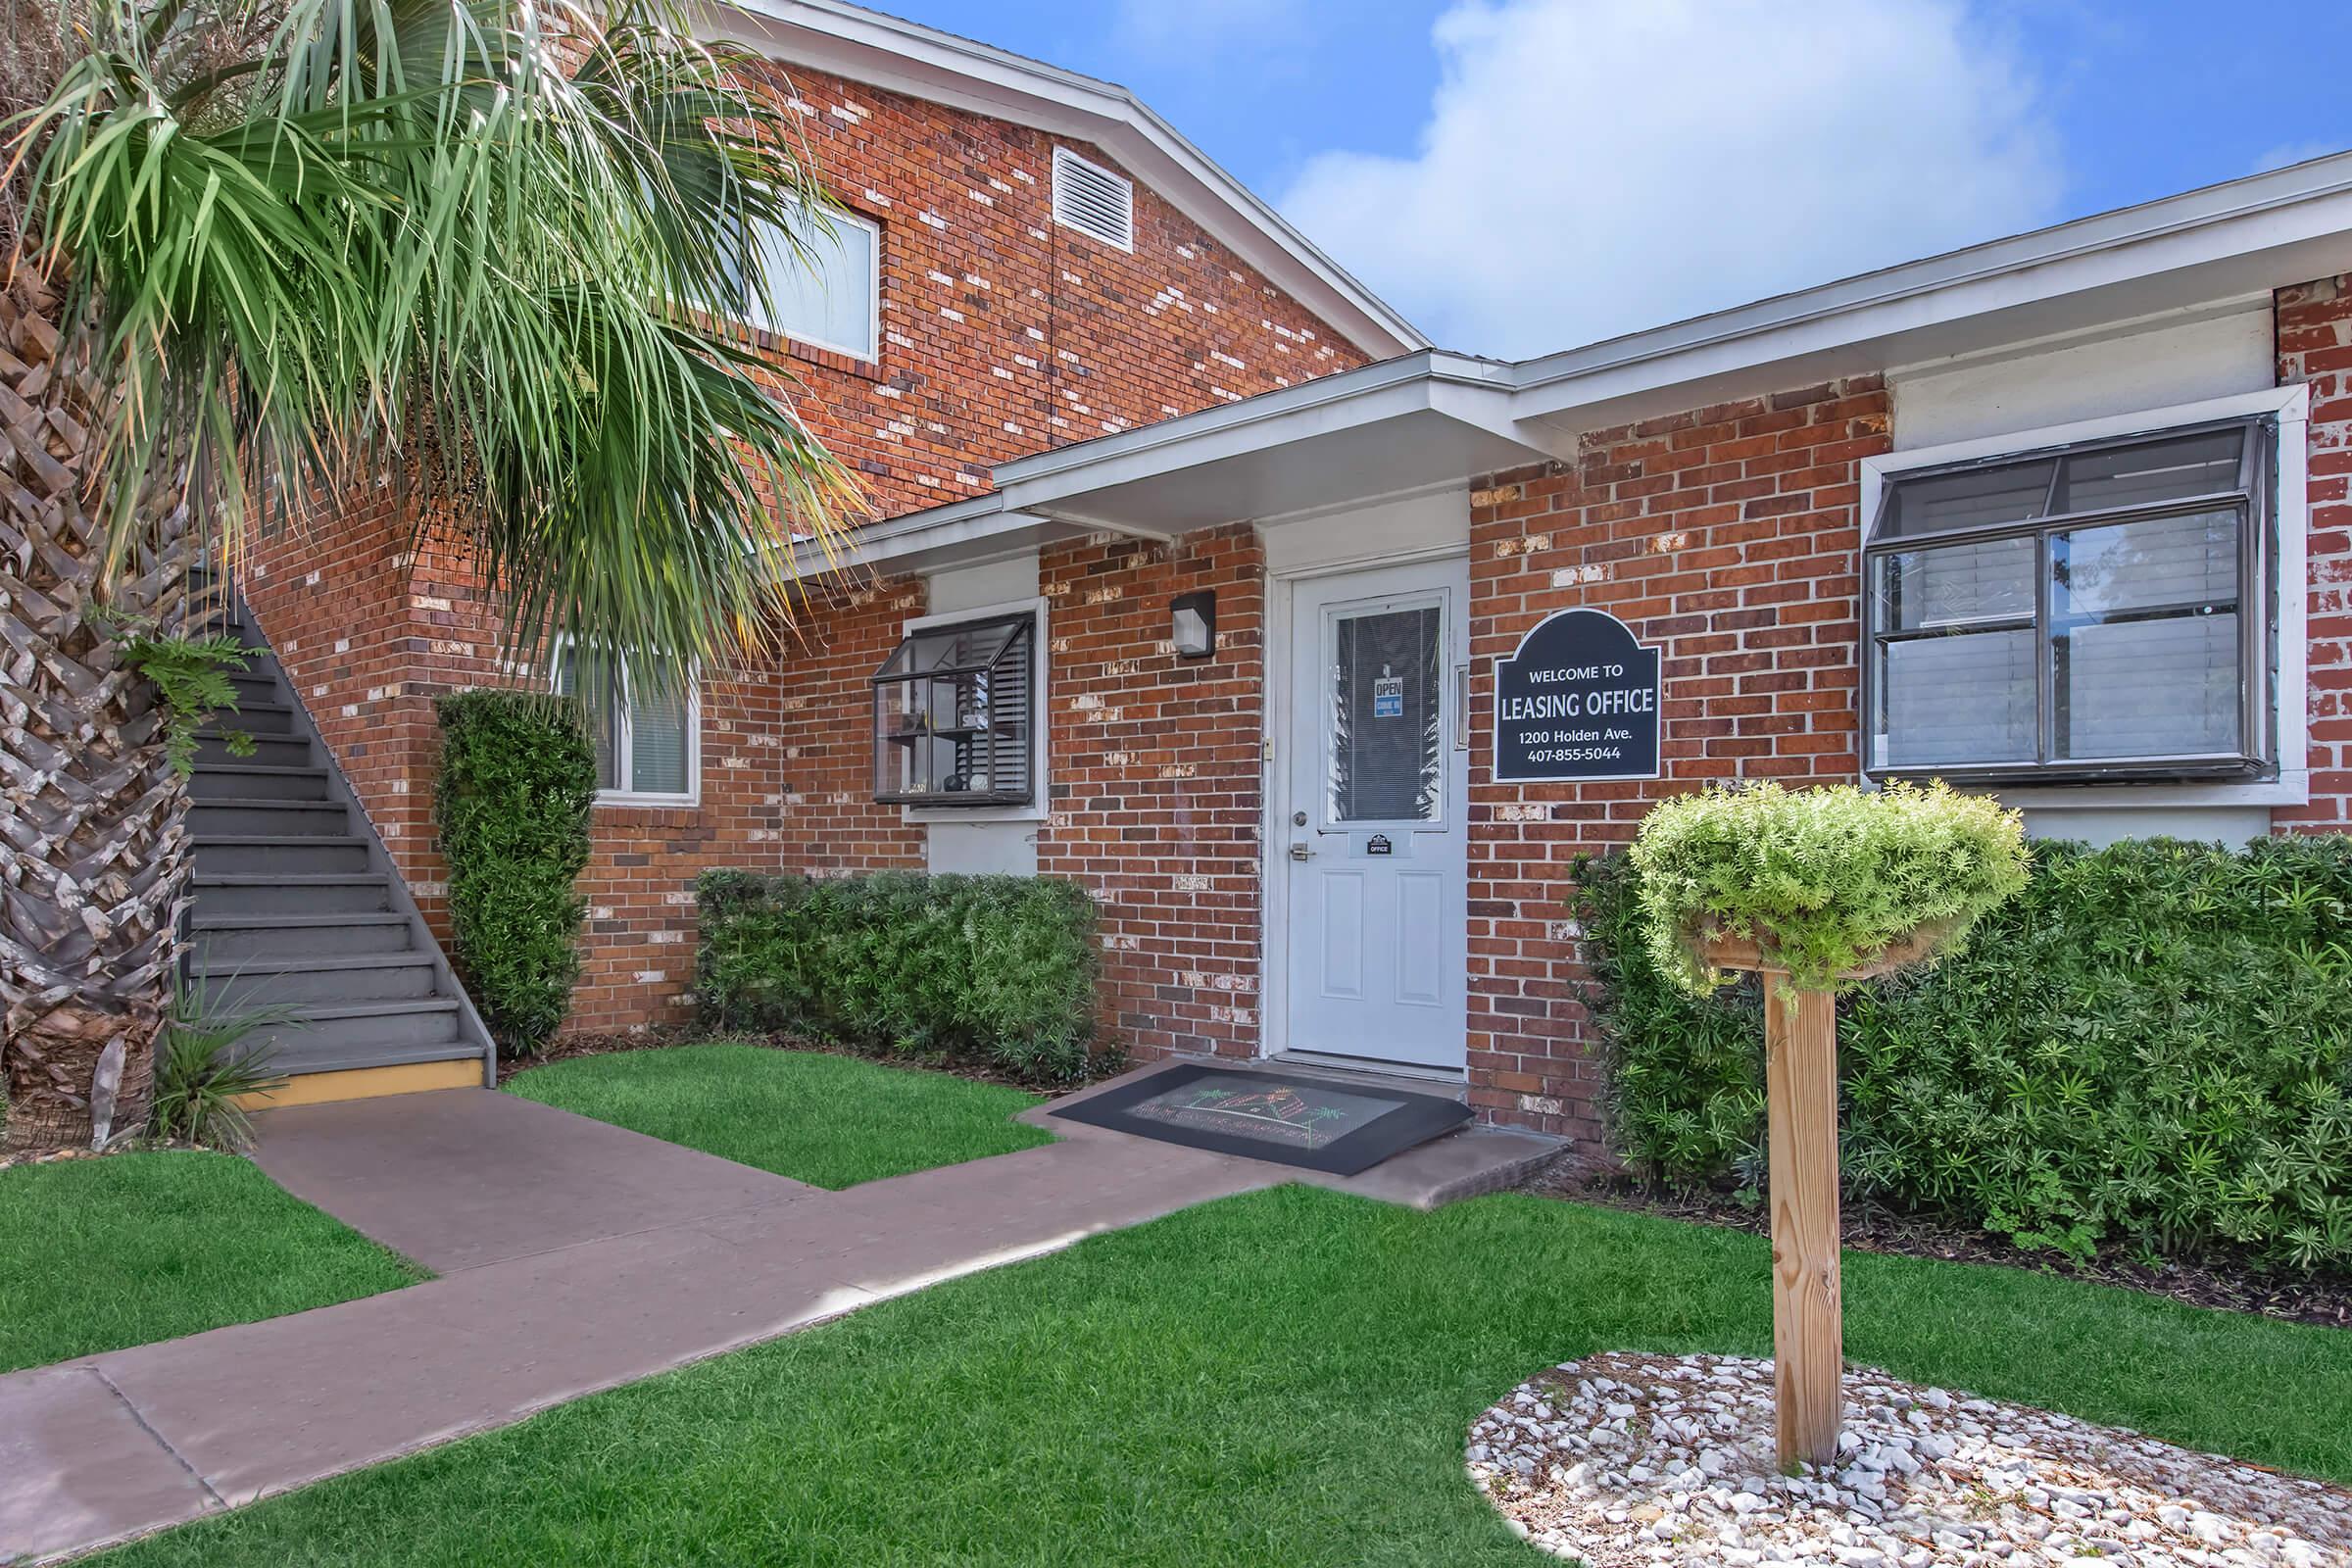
(1092, 200)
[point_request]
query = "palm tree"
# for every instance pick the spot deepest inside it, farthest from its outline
(265, 250)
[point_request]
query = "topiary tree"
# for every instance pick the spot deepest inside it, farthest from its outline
(1816, 890)
(518, 782)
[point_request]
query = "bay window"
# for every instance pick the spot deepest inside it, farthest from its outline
(2097, 611)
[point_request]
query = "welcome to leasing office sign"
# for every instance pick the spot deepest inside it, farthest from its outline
(1578, 701)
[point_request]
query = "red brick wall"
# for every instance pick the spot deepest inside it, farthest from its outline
(1155, 781)
(2315, 345)
(1003, 333)
(1727, 537)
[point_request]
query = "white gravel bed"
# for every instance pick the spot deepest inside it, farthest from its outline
(1625, 1460)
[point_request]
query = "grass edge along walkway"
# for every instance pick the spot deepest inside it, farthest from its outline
(127, 1248)
(1279, 1378)
(830, 1120)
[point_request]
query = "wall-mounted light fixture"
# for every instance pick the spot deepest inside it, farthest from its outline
(1193, 623)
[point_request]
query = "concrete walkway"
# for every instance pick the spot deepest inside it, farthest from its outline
(573, 1257)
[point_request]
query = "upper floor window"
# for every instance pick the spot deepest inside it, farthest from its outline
(825, 291)
(644, 711)
(2099, 610)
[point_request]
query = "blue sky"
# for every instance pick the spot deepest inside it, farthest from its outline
(1520, 175)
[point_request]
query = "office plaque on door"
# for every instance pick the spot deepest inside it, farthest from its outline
(1578, 701)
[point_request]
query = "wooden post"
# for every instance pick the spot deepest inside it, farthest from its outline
(1808, 1325)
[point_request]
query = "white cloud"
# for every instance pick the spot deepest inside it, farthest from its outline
(1597, 166)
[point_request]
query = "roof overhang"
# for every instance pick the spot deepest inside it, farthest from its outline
(1433, 418)
(901, 57)
(2200, 251)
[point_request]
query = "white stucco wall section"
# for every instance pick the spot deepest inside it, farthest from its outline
(1363, 532)
(2213, 367)
(2063, 384)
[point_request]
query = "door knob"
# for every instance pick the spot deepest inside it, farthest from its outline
(1299, 851)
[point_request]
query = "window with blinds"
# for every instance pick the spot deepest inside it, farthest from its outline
(955, 716)
(642, 713)
(2099, 611)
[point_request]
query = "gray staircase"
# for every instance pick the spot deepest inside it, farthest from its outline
(294, 901)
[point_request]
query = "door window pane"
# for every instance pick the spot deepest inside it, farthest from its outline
(2149, 688)
(1967, 697)
(1384, 717)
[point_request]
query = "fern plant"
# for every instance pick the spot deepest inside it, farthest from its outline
(190, 677)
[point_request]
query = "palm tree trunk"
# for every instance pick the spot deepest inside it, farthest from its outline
(93, 850)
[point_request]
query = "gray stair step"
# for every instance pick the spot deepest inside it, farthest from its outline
(272, 751)
(231, 816)
(261, 853)
(364, 1034)
(257, 683)
(239, 778)
(292, 893)
(257, 719)
(225, 940)
(232, 985)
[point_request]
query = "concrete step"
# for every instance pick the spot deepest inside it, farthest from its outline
(295, 1055)
(245, 816)
(234, 984)
(292, 893)
(364, 1034)
(239, 779)
(272, 853)
(268, 751)
(219, 941)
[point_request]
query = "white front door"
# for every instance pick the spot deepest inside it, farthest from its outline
(1373, 825)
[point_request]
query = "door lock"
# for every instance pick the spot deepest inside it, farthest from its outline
(1299, 851)
(1298, 819)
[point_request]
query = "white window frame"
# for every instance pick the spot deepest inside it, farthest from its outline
(870, 351)
(2289, 407)
(1041, 706)
(623, 743)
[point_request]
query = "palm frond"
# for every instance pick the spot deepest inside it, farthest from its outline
(485, 247)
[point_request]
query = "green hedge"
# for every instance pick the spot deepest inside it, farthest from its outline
(517, 781)
(2150, 1047)
(998, 969)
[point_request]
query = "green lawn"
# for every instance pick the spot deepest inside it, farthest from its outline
(832, 1121)
(96, 1255)
(1283, 1378)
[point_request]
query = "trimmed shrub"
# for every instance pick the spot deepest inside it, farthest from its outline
(1823, 879)
(2150, 1047)
(999, 969)
(517, 781)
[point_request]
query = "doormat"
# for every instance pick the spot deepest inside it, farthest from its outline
(1315, 1125)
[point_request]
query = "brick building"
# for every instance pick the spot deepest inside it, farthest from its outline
(1291, 620)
